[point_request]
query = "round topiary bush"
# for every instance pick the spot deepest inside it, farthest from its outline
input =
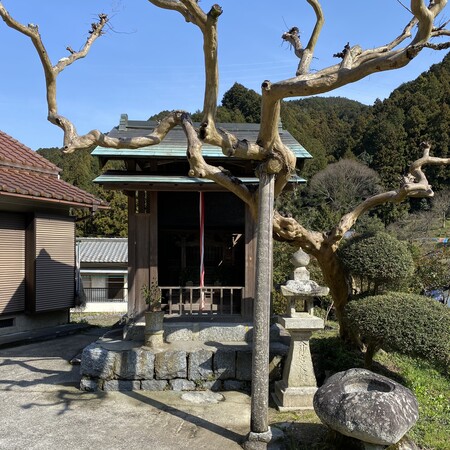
(406, 323)
(379, 259)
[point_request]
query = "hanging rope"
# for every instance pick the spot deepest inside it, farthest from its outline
(202, 250)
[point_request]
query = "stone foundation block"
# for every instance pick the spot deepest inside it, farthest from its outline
(181, 384)
(90, 385)
(154, 385)
(244, 365)
(225, 364)
(200, 365)
(215, 385)
(121, 385)
(97, 362)
(135, 364)
(171, 364)
(225, 333)
(182, 333)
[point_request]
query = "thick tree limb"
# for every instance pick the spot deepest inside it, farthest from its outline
(308, 53)
(96, 138)
(51, 73)
(287, 229)
(415, 185)
(200, 169)
(174, 5)
(293, 38)
(358, 63)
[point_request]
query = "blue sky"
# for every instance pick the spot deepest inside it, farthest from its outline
(150, 59)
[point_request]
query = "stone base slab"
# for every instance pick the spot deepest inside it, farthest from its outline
(293, 398)
(202, 332)
(114, 364)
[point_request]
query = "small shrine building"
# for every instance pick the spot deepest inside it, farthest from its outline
(189, 236)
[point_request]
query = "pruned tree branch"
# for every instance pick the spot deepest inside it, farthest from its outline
(293, 38)
(200, 169)
(174, 5)
(287, 229)
(308, 53)
(415, 184)
(71, 138)
(96, 138)
(358, 63)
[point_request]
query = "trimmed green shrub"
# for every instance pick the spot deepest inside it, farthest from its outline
(405, 323)
(378, 259)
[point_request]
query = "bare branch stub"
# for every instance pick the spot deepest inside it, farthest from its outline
(293, 38)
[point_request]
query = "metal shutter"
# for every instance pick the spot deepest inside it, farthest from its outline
(55, 263)
(12, 263)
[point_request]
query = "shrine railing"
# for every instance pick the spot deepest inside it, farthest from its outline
(209, 300)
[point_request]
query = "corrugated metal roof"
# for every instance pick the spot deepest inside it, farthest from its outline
(103, 250)
(174, 144)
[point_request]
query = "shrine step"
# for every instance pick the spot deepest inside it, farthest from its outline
(206, 332)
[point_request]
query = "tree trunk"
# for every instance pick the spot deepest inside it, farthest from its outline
(372, 348)
(336, 279)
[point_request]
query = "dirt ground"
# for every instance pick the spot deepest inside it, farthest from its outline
(104, 320)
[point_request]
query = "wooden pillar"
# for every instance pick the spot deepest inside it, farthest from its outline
(250, 264)
(142, 250)
(153, 204)
(131, 253)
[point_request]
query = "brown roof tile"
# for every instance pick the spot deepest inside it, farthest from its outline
(44, 187)
(16, 154)
(25, 173)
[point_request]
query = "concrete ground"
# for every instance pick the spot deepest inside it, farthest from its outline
(41, 407)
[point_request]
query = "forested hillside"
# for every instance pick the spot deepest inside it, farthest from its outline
(385, 136)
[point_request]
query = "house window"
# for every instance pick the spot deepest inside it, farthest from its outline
(115, 287)
(87, 281)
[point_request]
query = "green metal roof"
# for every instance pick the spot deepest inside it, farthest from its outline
(174, 144)
(121, 178)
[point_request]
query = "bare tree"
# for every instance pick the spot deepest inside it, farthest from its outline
(275, 158)
(342, 185)
(277, 162)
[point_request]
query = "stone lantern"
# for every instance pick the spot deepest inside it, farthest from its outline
(298, 386)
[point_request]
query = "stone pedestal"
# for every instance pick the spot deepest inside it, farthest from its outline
(298, 386)
(154, 329)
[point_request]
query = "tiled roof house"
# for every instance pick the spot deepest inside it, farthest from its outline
(37, 239)
(25, 174)
(103, 266)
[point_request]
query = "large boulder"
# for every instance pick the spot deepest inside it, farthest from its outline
(366, 406)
